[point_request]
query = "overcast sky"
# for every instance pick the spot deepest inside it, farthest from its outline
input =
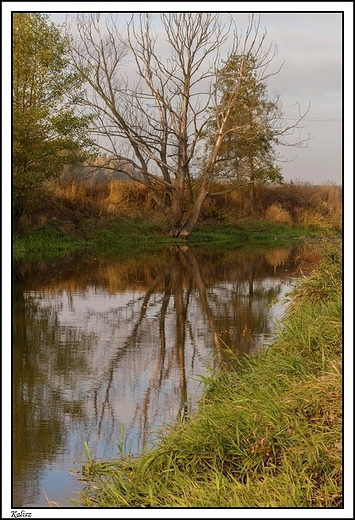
(310, 44)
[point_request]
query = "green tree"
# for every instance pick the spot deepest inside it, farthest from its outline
(247, 154)
(47, 132)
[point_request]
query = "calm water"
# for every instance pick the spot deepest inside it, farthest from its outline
(109, 351)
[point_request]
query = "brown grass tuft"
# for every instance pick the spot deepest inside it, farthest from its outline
(276, 213)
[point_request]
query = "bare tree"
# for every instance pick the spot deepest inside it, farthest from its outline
(154, 126)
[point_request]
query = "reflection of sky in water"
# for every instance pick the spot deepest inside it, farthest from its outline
(111, 318)
(129, 380)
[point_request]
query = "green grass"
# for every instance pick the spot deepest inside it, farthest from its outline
(117, 237)
(268, 432)
(120, 235)
(123, 236)
(46, 243)
(251, 233)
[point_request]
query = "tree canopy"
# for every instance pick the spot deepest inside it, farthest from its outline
(247, 154)
(47, 130)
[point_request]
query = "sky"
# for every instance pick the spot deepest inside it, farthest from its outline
(310, 46)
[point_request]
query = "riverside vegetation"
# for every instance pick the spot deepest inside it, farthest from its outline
(268, 432)
(116, 216)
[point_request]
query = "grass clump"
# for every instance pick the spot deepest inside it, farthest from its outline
(46, 242)
(268, 432)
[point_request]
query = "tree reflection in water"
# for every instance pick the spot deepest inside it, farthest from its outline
(104, 343)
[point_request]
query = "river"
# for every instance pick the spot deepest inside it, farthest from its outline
(109, 351)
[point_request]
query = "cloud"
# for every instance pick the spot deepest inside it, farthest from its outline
(310, 44)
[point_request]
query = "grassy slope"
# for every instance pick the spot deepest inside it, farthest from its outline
(268, 432)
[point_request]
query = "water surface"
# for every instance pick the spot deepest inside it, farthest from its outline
(108, 351)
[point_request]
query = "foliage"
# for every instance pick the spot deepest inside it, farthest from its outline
(47, 133)
(247, 153)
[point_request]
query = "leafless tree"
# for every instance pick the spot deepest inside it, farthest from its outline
(154, 126)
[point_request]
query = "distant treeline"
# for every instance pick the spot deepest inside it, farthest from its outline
(101, 169)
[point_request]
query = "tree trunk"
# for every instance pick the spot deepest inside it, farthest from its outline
(252, 197)
(191, 222)
(252, 185)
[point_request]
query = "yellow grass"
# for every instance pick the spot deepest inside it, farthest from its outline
(306, 204)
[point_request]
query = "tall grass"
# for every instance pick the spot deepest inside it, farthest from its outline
(297, 203)
(77, 204)
(268, 432)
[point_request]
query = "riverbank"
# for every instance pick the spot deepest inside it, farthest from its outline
(121, 236)
(268, 432)
(116, 218)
